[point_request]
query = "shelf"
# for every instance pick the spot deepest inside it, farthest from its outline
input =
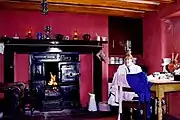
(115, 64)
(52, 42)
(30, 45)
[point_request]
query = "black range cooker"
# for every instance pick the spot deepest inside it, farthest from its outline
(56, 75)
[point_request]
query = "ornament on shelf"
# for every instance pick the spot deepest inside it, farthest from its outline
(44, 7)
(126, 44)
(16, 36)
(29, 34)
(47, 34)
(75, 35)
(39, 36)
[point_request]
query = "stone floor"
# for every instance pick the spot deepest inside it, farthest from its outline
(81, 114)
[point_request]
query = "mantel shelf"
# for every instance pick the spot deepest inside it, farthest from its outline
(46, 45)
(31, 45)
(53, 42)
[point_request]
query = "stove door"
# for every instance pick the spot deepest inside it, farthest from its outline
(69, 72)
(70, 95)
(37, 71)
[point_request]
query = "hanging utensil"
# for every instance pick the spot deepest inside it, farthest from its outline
(44, 7)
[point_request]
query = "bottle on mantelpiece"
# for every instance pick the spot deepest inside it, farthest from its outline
(75, 35)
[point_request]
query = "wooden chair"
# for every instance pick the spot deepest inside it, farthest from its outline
(134, 104)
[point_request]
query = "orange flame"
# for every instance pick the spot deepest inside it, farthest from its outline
(52, 80)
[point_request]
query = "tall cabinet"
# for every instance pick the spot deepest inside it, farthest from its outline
(122, 29)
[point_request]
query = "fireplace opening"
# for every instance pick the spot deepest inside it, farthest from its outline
(51, 75)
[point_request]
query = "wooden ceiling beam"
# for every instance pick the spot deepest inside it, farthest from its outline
(103, 3)
(110, 3)
(162, 1)
(72, 8)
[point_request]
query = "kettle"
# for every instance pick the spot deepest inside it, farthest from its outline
(86, 37)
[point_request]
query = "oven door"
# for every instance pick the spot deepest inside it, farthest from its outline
(69, 72)
(70, 95)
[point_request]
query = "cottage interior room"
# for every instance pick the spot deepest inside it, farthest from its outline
(93, 35)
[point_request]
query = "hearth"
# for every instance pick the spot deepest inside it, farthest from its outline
(56, 75)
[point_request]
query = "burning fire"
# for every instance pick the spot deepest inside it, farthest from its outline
(52, 80)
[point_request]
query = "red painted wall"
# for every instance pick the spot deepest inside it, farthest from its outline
(161, 42)
(12, 22)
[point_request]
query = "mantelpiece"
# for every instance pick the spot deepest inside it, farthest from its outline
(81, 46)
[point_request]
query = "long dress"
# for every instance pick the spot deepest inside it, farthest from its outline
(116, 95)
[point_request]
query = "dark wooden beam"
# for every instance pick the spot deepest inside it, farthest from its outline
(72, 8)
(110, 3)
(103, 3)
(162, 1)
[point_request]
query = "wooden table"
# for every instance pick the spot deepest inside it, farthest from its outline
(162, 86)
